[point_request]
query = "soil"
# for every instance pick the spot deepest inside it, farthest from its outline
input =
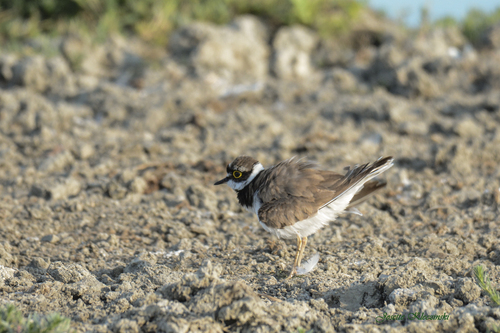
(109, 215)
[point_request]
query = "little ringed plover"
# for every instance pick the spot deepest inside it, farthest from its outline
(295, 198)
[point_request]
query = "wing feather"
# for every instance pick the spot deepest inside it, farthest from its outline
(295, 190)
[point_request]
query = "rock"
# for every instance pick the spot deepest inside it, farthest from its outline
(468, 128)
(190, 283)
(7, 62)
(40, 212)
(203, 227)
(94, 60)
(382, 71)
(138, 185)
(401, 75)
(200, 197)
(87, 288)
(67, 274)
(126, 325)
(116, 190)
(21, 279)
(439, 42)
(466, 290)
(292, 47)
(174, 325)
(40, 263)
(342, 79)
(403, 296)
(356, 296)
(61, 80)
(173, 183)
(32, 73)
(6, 259)
(84, 151)
(242, 310)
(426, 304)
(237, 52)
(57, 162)
(145, 259)
(6, 273)
(55, 189)
(491, 37)
(412, 80)
(73, 50)
(331, 53)
(50, 239)
(407, 276)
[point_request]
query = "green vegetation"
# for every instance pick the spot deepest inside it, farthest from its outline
(474, 24)
(302, 330)
(154, 20)
(12, 320)
(493, 328)
(484, 282)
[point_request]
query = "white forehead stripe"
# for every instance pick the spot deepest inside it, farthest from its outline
(237, 186)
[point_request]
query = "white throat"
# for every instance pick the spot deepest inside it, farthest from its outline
(238, 186)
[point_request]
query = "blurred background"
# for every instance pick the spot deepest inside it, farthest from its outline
(410, 12)
(155, 20)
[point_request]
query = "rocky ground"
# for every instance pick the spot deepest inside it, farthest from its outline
(108, 158)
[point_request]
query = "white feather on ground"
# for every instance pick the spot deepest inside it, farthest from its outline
(309, 265)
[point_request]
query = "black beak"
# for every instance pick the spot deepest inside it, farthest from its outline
(222, 181)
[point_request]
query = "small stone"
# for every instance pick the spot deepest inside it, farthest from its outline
(491, 37)
(466, 290)
(199, 196)
(55, 189)
(292, 52)
(468, 128)
(6, 273)
(50, 239)
(5, 257)
(402, 296)
(68, 274)
(145, 259)
(40, 212)
(343, 80)
(57, 162)
(241, 311)
(238, 52)
(126, 326)
(39, 263)
(85, 151)
(116, 190)
(138, 185)
(31, 72)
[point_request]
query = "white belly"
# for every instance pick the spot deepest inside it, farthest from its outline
(305, 227)
(311, 225)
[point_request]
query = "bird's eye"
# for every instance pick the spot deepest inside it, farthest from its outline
(237, 174)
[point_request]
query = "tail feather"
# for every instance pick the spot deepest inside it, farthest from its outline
(368, 189)
(360, 176)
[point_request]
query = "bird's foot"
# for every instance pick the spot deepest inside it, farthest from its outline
(292, 273)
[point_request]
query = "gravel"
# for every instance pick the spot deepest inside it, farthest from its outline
(109, 153)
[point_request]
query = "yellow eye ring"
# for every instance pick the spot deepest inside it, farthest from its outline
(237, 174)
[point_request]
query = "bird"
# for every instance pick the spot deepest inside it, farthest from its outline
(295, 198)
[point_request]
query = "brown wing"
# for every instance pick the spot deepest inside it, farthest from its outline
(295, 190)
